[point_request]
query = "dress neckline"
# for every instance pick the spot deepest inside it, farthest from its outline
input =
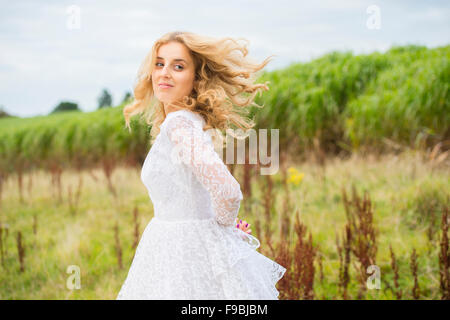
(187, 111)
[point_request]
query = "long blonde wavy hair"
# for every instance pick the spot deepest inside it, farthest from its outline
(225, 79)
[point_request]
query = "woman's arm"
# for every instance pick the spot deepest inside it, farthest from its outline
(207, 166)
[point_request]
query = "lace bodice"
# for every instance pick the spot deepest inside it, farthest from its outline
(185, 177)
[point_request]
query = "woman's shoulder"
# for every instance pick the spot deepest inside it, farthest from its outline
(189, 122)
(178, 115)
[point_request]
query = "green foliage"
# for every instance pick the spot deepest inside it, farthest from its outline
(341, 100)
(87, 239)
(424, 205)
(105, 99)
(69, 138)
(407, 100)
(127, 97)
(66, 106)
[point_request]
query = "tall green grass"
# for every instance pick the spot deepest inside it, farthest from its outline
(339, 102)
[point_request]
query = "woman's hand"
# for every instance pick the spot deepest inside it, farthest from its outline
(244, 226)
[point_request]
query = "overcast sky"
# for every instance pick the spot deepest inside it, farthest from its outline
(46, 58)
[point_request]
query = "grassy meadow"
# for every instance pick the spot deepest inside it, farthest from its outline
(404, 189)
(364, 183)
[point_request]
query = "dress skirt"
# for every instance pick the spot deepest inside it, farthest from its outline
(199, 259)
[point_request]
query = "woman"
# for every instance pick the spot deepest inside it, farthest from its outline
(192, 248)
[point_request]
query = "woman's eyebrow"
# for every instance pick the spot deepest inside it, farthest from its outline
(173, 59)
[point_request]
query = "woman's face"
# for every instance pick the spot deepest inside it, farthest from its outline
(174, 66)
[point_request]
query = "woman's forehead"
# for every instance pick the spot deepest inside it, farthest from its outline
(173, 51)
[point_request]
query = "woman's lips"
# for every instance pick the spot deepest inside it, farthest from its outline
(163, 86)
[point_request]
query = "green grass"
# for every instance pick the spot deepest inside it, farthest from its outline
(345, 102)
(87, 239)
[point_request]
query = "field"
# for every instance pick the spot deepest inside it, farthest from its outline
(364, 183)
(406, 191)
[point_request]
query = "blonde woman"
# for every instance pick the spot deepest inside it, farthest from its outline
(192, 248)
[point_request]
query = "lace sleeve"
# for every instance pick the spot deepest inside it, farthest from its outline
(207, 166)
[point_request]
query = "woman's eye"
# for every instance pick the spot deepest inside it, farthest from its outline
(177, 65)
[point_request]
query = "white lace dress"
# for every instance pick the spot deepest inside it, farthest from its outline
(191, 248)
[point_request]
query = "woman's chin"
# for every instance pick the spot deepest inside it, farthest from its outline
(164, 98)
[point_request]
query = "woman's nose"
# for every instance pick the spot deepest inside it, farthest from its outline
(165, 71)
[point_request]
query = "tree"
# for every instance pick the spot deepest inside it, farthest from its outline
(3, 113)
(105, 99)
(66, 106)
(127, 97)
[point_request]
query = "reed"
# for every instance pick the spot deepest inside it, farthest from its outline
(394, 266)
(21, 251)
(257, 226)
(108, 166)
(35, 226)
(286, 208)
(19, 172)
(2, 181)
(344, 253)
(268, 206)
(364, 234)
(5, 231)
(2, 255)
(70, 201)
(118, 247)
(56, 172)
(414, 268)
(444, 257)
(74, 200)
(136, 228)
(304, 256)
(287, 286)
(247, 177)
(78, 193)
(35, 223)
(320, 262)
(30, 186)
